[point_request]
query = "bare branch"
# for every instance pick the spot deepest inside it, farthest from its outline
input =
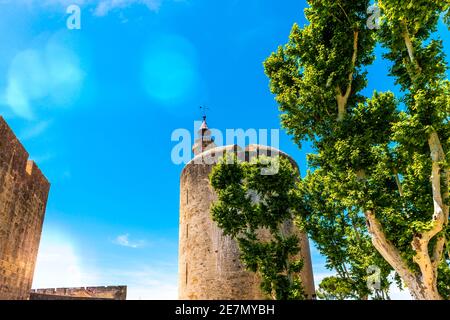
(346, 15)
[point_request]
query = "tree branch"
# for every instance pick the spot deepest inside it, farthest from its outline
(409, 45)
(440, 193)
(399, 183)
(341, 98)
(346, 15)
(358, 237)
(428, 266)
(438, 252)
(389, 252)
(385, 247)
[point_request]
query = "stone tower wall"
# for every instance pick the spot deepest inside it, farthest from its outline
(209, 263)
(23, 198)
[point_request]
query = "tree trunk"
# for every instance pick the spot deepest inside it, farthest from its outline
(422, 287)
(422, 292)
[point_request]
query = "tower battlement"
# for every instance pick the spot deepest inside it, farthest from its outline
(12, 149)
(23, 199)
(82, 293)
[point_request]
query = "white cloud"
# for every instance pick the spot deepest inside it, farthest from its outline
(124, 241)
(58, 264)
(105, 6)
(35, 130)
(147, 282)
(318, 277)
(61, 265)
(100, 8)
(46, 2)
(397, 294)
(50, 74)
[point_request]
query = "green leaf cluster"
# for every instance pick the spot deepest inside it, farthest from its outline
(376, 157)
(257, 210)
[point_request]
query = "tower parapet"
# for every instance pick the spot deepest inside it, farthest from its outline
(23, 199)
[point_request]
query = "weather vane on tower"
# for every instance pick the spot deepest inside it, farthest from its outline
(204, 109)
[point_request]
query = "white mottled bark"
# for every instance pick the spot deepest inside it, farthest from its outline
(342, 98)
(424, 285)
(410, 47)
(391, 254)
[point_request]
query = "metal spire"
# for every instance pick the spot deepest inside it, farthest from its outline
(204, 111)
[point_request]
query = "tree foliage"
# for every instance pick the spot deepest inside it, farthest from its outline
(335, 288)
(381, 163)
(256, 210)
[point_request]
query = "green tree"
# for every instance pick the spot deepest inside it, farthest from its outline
(335, 288)
(339, 234)
(257, 210)
(381, 159)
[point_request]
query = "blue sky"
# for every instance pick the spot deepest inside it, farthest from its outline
(96, 109)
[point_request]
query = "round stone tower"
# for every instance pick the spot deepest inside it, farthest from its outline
(209, 263)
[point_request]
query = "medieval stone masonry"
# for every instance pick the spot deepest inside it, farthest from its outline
(209, 262)
(23, 198)
(88, 293)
